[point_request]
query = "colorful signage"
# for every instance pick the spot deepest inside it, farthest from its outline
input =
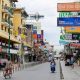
(65, 14)
(75, 45)
(72, 7)
(76, 36)
(39, 36)
(68, 36)
(69, 21)
(69, 29)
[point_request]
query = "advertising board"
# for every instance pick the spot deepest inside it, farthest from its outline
(68, 21)
(72, 7)
(69, 29)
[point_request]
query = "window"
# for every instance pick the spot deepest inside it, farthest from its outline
(2, 27)
(5, 28)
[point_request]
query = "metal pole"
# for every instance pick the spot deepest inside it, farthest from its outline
(9, 40)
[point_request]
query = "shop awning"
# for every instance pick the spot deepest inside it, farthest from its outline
(75, 45)
(6, 36)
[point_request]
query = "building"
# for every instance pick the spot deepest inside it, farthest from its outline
(6, 30)
(23, 31)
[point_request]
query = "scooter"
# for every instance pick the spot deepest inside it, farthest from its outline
(52, 69)
(7, 73)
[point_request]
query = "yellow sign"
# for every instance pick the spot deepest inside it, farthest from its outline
(69, 29)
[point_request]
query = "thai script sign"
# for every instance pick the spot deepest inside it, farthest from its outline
(72, 7)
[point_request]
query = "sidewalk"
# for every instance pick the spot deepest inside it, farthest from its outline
(23, 66)
(69, 73)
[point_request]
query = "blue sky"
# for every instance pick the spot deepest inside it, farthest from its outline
(48, 8)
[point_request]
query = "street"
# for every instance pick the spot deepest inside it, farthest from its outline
(38, 72)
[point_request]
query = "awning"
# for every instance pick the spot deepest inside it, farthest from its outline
(6, 36)
(75, 45)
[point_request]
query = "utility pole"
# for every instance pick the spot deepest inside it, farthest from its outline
(9, 39)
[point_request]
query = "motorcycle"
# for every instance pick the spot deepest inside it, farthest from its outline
(7, 73)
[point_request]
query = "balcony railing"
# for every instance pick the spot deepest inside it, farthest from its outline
(8, 9)
(7, 21)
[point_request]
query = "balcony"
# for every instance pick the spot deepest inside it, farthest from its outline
(7, 22)
(7, 10)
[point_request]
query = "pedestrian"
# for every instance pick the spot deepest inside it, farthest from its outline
(52, 65)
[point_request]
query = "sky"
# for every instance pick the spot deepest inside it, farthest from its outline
(48, 8)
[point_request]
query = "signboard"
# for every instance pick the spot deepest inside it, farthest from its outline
(69, 29)
(34, 31)
(69, 21)
(68, 36)
(76, 36)
(65, 14)
(68, 14)
(72, 7)
(39, 36)
(62, 37)
(63, 42)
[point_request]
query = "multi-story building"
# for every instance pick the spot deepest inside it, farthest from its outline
(22, 30)
(6, 29)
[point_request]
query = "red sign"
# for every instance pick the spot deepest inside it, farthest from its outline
(0, 49)
(72, 7)
(75, 45)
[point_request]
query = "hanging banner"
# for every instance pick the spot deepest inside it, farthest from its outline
(71, 7)
(69, 21)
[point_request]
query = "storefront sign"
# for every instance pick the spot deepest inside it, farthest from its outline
(4, 50)
(69, 21)
(76, 36)
(72, 7)
(3, 44)
(75, 45)
(69, 29)
(12, 51)
(68, 36)
(65, 14)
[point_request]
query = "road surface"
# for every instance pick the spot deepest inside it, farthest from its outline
(38, 72)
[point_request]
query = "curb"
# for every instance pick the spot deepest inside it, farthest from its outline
(61, 73)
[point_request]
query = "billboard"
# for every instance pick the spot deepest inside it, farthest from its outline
(68, 21)
(72, 7)
(69, 29)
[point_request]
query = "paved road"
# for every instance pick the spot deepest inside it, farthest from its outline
(39, 72)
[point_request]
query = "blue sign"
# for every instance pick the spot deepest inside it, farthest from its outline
(68, 21)
(39, 35)
(34, 31)
(63, 42)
